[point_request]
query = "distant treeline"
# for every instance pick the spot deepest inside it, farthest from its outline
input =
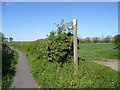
(107, 39)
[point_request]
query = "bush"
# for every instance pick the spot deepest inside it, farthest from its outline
(59, 47)
(117, 41)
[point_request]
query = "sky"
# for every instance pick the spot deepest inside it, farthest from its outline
(29, 21)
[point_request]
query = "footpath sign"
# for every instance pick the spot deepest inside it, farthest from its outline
(74, 24)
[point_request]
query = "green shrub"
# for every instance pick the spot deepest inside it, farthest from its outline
(117, 41)
(59, 47)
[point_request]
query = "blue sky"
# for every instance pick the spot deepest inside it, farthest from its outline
(28, 21)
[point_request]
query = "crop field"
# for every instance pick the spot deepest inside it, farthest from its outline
(89, 74)
(98, 51)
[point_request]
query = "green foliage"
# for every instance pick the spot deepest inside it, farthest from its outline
(88, 40)
(9, 61)
(59, 47)
(10, 39)
(96, 39)
(2, 37)
(102, 39)
(107, 39)
(90, 75)
(117, 41)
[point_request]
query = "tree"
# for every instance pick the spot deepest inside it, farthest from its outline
(59, 46)
(87, 40)
(2, 37)
(107, 39)
(6, 40)
(81, 40)
(10, 39)
(102, 39)
(116, 41)
(96, 39)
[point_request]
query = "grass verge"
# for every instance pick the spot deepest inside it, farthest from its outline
(90, 75)
(8, 66)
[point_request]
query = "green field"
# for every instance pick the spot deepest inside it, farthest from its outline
(89, 75)
(97, 51)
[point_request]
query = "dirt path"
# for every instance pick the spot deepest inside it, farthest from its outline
(114, 64)
(23, 77)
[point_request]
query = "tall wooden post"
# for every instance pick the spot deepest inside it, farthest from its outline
(75, 45)
(74, 24)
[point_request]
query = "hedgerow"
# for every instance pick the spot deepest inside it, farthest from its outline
(9, 61)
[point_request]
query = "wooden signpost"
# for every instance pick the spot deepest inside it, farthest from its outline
(74, 24)
(67, 24)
